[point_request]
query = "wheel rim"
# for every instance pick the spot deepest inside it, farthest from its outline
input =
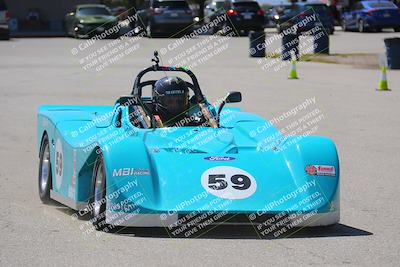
(45, 167)
(98, 190)
(148, 29)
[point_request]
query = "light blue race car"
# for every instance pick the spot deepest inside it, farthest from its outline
(124, 167)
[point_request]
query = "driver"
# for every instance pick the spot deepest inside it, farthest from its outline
(171, 101)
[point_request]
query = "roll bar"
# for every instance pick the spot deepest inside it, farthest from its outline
(137, 88)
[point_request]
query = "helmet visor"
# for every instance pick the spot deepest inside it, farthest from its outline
(175, 104)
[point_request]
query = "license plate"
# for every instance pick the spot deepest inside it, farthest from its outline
(174, 15)
(247, 15)
(100, 29)
(386, 15)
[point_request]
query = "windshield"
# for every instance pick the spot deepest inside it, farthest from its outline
(381, 5)
(171, 4)
(89, 11)
(253, 5)
(222, 5)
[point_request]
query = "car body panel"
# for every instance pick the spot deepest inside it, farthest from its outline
(162, 170)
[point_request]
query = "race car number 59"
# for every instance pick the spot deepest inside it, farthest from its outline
(228, 182)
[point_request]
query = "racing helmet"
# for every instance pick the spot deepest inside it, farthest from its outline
(170, 97)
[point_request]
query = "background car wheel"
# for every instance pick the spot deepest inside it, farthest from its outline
(378, 29)
(344, 27)
(361, 26)
(98, 200)
(331, 30)
(45, 177)
(397, 29)
(149, 31)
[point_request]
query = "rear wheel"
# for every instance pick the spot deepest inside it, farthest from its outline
(397, 29)
(98, 200)
(45, 177)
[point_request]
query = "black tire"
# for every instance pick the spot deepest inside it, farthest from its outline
(331, 30)
(5, 36)
(98, 199)
(45, 174)
(378, 29)
(396, 29)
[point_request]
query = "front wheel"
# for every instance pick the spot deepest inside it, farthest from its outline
(98, 200)
(45, 177)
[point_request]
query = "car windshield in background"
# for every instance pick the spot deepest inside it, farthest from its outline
(320, 9)
(89, 11)
(222, 5)
(380, 5)
(246, 5)
(171, 4)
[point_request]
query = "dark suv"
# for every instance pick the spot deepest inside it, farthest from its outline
(245, 16)
(165, 16)
(4, 19)
(292, 14)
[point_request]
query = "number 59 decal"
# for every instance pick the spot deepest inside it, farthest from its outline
(228, 182)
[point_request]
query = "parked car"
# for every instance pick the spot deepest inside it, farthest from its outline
(85, 21)
(372, 15)
(121, 12)
(4, 19)
(289, 15)
(214, 9)
(245, 16)
(165, 16)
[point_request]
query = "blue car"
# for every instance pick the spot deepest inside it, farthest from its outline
(372, 15)
(121, 166)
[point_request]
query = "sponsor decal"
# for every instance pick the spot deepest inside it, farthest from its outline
(228, 182)
(59, 163)
(218, 158)
(130, 172)
(321, 170)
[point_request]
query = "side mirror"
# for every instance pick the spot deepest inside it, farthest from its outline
(231, 97)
